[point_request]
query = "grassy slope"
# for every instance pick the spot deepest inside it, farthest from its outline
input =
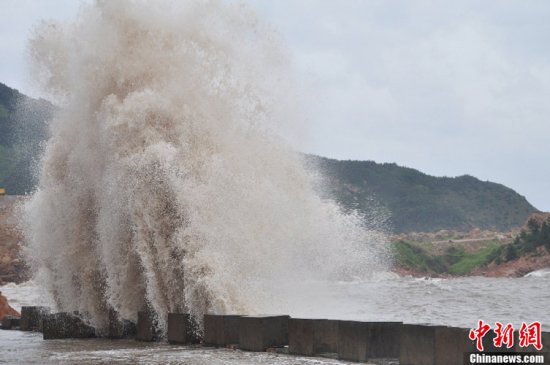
(423, 258)
(455, 261)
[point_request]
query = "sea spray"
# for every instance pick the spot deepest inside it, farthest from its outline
(165, 184)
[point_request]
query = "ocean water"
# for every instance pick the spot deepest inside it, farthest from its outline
(457, 302)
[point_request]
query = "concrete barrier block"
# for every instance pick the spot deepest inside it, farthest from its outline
(325, 336)
(221, 330)
(383, 339)
(182, 329)
(312, 336)
(53, 327)
(31, 318)
(120, 328)
(10, 322)
(301, 336)
(116, 327)
(417, 345)
(129, 329)
(451, 343)
(431, 345)
(65, 325)
(257, 333)
(145, 328)
(360, 341)
(352, 340)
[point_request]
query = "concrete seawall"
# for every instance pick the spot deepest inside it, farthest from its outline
(182, 329)
(221, 330)
(310, 337)
(65, 325)
(31, 318)
(406, 344)
(258, 333)
(146, 329)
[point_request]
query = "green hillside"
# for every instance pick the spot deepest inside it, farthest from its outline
(423, 203)
(413, 200)
(461, 258)
(22, 130)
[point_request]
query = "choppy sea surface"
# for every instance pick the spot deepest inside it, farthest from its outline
(457, 302)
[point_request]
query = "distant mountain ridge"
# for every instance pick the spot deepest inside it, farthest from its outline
(414, 201)
(23, 128)
(424, 203)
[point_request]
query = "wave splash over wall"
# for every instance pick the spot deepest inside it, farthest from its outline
(164, 184)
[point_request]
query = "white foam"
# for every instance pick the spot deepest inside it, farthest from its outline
(25, 294)
(538, 273)
(165, 181)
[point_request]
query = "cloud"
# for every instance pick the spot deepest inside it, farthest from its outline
(446, 87)
(18, 19)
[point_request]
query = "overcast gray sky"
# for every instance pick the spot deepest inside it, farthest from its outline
(446, 87)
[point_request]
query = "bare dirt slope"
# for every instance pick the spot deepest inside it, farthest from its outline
(12, 267)
(523, 265)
